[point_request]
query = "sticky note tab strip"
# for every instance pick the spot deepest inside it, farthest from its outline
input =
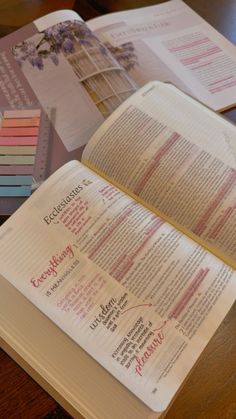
(19, 131)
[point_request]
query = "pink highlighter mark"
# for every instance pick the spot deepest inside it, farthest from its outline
(125, 262)
(215, 202)
(188, 293)
(155, 162)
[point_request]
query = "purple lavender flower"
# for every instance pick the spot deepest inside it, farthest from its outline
(85, 42)
(24, 47)
(67, 45)
(56, 39)
(36, 62)
(124, 54)
(103, 49)
(19, 61)
(63, 37)
(49, 32)
(54, 58)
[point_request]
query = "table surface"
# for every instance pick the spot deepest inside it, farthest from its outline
(210, 391)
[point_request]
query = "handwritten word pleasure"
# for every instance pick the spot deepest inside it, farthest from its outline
(149, 351)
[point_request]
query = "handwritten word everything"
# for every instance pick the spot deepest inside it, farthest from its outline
(53, 264)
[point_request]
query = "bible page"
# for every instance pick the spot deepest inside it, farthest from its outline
(178, 157)
(171, 42)
(141, 298)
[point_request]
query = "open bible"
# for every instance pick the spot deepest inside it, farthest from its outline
(131, 253)
(79, 72)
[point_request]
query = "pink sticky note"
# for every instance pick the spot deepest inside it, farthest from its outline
(20, 122)
(12, 141)
(22, 113)
(19, 132)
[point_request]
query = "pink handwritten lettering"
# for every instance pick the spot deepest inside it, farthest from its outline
(150, 350)
(53, 264)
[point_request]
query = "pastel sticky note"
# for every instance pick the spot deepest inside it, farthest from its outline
(17, 159)
(18, 150)
(16, 169)
(15, 180)
(12, 141)
(19, 132)
(21, 122)
(15, 191)
(22, 113)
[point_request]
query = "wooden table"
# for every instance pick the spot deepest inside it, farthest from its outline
(210, 391)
